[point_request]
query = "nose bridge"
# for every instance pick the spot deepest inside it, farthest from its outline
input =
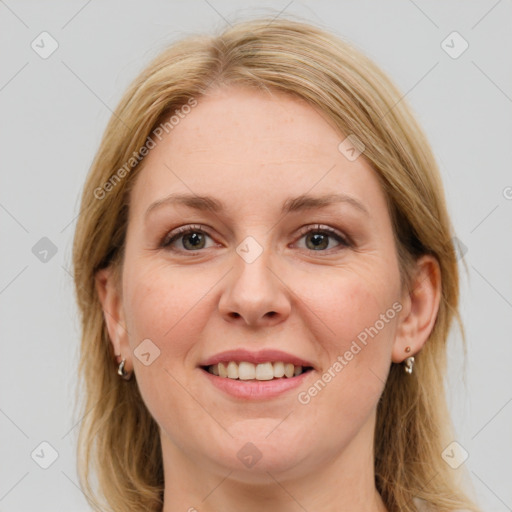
(253, 268)
(253, 292)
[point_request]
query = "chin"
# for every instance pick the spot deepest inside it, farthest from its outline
(252, 454)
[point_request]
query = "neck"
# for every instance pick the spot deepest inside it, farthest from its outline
(341, 482)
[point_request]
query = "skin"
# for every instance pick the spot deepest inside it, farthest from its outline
(252, 152)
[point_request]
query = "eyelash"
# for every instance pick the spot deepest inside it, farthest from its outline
(185, 230)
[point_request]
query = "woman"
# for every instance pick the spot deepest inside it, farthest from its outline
(266, 275)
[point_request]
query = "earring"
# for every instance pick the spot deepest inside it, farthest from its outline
(122, 372)
(409, 364)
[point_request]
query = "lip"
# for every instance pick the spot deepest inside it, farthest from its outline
(261, 356)
(256, 390)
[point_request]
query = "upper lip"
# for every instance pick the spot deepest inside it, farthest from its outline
(261, 356)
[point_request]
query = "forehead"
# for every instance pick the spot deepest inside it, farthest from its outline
(249, 148)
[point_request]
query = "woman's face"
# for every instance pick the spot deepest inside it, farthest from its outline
(266, 266)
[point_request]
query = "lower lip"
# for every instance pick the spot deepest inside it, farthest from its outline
(256, 390)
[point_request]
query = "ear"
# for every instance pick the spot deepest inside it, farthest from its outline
(420, 307)
(110, 296)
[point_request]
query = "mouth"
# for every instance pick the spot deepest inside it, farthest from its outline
(247, 375)
(247, 371)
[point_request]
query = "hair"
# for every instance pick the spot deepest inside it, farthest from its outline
(118, 438)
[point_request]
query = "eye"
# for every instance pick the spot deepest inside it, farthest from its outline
(192, 238)
(318, 237)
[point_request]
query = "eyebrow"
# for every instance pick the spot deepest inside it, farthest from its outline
(292, 204)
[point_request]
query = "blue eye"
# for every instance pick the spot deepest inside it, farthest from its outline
(194, 238)
(319, 237)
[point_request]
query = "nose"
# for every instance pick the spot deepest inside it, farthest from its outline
(254, 294)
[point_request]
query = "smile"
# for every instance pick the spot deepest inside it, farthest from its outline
(244, 370)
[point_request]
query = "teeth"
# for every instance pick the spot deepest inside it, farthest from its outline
(222, 370)
(279, 369)
(264, 371)
(233, 370)
(246, 371)
(289, 369)
(250, 371)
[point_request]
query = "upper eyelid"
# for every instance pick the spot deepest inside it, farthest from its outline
(320, 227)
(177, 233)
(184, 230)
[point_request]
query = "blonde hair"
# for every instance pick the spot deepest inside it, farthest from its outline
(118, 437)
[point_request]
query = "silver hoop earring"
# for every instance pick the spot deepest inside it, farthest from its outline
(122, 372)
(409, 364)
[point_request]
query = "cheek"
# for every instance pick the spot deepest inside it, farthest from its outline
(160, 302)
(364, 315)
(350, 302)
(167, 309)
(356, 329)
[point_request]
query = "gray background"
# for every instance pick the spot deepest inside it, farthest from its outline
(54, 111)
